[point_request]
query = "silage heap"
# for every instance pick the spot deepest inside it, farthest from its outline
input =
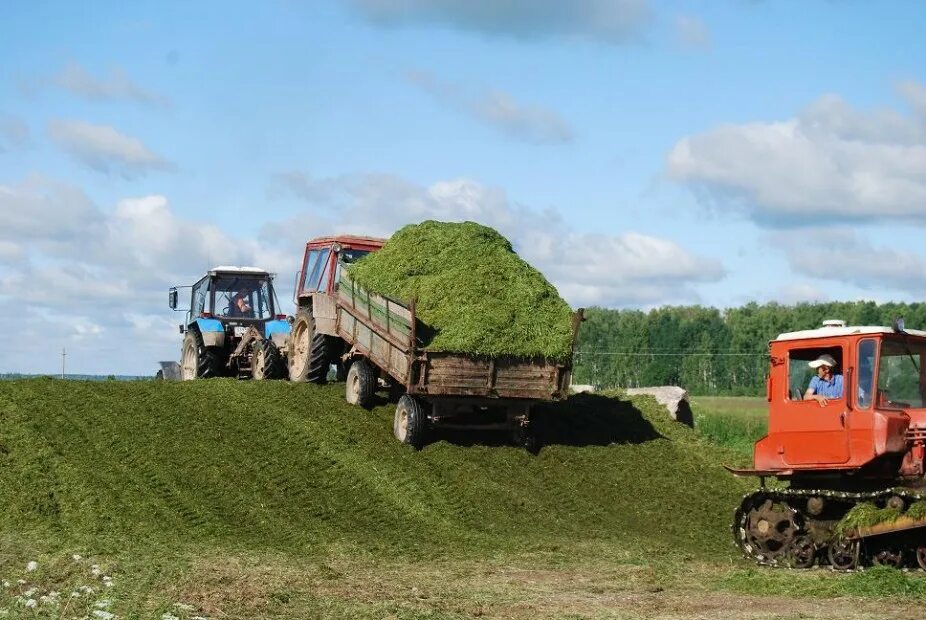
(471, 288)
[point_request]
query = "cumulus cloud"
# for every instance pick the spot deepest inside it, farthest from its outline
(831, 160)
(530, 123)
(852, 259)
(14, 133)
(608, 21)
(75, 79)
(89, 278)
(105, 149)
(692, 33)
(624, 269)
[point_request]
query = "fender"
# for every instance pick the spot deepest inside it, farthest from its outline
(212, 331)
(277, 327)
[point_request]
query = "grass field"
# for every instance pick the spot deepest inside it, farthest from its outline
(736, 422)
(227, 499)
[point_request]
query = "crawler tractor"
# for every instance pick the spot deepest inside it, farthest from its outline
(865, 446)
(232, 327)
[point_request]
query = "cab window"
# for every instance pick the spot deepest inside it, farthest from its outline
(800, 373)
(866, 369)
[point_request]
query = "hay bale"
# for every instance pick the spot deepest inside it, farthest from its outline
(472, 290)
(672, 397)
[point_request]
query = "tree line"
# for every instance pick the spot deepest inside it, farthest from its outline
(707, 350)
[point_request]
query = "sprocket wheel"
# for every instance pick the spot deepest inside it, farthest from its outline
(801, 553)
(769, 529)
(843, 554)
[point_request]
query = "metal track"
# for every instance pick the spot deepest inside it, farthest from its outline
(793, 519)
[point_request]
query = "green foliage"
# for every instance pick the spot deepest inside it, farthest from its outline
(472, 289)
(917, 510)
(707, 350)
(865, 514)
(734, 422)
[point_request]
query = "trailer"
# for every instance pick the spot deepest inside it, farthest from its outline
(380, 343)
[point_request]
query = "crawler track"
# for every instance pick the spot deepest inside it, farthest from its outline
(795, 528)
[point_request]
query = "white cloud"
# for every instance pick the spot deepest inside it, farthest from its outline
(842, 255)
(43, 210)
(14, 133)
(692, 33)
(530, 123)
(105, 149)
(608, 21)
(117, 86)
(832, 160)
(625, 269)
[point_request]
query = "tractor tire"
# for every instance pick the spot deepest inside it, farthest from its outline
(361, 383)
(197, 361)
(267, 361)
(310, 353)
(410, 425)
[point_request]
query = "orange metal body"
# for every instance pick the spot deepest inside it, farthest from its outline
(847, 438)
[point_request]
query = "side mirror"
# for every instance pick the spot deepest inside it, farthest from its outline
(172, 298)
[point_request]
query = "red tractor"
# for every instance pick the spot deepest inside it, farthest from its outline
(865, 445)
(314, 348)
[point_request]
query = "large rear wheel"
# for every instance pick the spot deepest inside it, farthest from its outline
(310, 352)
(197, 361)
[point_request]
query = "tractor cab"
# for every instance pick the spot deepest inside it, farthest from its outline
(868, 415)
(233, 314)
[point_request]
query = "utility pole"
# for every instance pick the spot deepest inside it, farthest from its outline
(64, 354)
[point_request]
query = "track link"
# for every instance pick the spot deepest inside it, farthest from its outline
(775, 527)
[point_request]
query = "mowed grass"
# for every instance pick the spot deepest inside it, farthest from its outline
(236, 499)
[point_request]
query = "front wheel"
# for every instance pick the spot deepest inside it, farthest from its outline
(197, 361)
(267, 362)
(361, 383)
(410, 425)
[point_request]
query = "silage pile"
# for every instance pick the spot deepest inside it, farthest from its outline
(867, 515)
(472, 290)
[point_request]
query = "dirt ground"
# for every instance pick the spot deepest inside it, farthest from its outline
(477, 589)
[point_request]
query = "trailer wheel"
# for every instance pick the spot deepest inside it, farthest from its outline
(310, 355)
(410, 425)
(266, 361)
(361, 383)
(527, 438)
(197, 361)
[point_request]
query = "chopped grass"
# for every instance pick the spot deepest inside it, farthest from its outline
(734, 422)
(472, 289)
(866, 514)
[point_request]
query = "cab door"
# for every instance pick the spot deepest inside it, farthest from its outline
(808, 433)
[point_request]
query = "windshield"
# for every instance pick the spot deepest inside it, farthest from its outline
(243, 297)
(900, 382)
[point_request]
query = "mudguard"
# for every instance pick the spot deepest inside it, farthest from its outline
(278, 332)
(212, 330)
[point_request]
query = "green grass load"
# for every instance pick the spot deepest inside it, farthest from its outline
(472, 289)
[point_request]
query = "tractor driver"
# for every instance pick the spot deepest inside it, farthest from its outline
(240, 306)
(827, 384)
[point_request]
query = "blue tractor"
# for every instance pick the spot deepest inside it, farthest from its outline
(234, 326)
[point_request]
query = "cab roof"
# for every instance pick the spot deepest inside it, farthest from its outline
(849, 330)
(348, 240)
(238, 270)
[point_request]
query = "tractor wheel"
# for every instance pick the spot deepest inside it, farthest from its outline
(266, 361)
(310, 354)
(197, 361)
(361, 383)
(410, 425)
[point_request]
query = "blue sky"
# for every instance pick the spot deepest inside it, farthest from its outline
(639, 153)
